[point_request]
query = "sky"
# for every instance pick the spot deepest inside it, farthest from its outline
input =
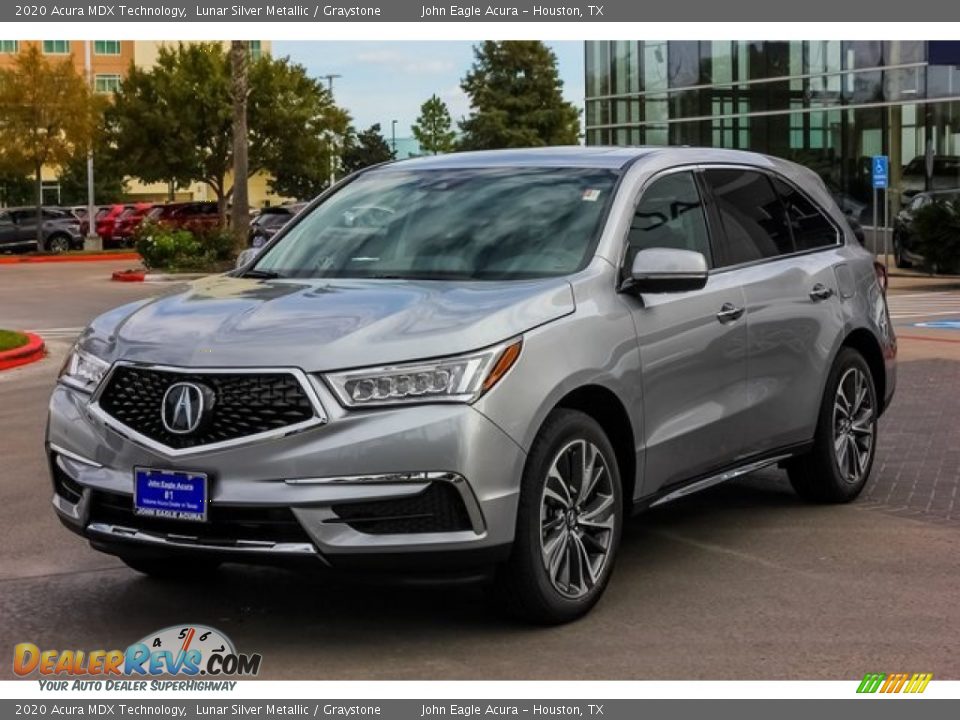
(389, 80)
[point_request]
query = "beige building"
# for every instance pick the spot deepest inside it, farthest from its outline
(110, 61)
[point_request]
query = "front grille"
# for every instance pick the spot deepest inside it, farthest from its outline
(244, 404)
(438, 508)
(225, 524)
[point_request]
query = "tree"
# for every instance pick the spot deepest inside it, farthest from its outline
(46, 115)
(365, 149)
(291, 117)
(240, 210)
(516, 99)
(176, 121)
(110, 178)
(433, 128)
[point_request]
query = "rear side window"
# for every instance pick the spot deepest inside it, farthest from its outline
(669, 215)
(811, 228)
(755, 226)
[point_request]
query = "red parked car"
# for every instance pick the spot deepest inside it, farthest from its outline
(127, 222)
(186, 215)
(104, 219)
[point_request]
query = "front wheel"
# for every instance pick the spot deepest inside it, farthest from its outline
(568, 523)
(837, 467)
(58, 244)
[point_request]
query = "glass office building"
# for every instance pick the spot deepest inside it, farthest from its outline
(829, 105)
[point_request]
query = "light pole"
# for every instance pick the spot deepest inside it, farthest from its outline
(92, 241)
(393, 137)
(330, 77)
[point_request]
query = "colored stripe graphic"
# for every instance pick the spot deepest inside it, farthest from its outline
(894, 683)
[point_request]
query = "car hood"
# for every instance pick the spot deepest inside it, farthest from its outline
(321, 325)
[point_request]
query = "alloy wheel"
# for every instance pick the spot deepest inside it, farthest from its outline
(854, 425)
(577, 518)
(59, 245)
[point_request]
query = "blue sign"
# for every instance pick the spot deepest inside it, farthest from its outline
(940, 324)
(881, 171)
(170, 494)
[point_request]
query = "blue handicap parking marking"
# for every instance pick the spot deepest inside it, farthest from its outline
(939, 325)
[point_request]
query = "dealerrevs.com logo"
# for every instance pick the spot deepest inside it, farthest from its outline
(180, 650)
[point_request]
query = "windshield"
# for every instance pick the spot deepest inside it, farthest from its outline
(505, 223)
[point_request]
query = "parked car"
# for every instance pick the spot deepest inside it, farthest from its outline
(186, 215)
(531, 346)
(945, 175)
(905, 252)
(18, 230)
(105, 221)
(126, 223)
(266, 224)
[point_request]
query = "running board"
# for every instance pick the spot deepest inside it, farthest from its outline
(717, 479)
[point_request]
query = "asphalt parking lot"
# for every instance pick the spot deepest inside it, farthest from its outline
(740, 582)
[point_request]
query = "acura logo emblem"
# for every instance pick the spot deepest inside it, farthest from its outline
(184, 404)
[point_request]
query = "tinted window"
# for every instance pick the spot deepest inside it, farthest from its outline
(753, 219)
(669, 215)
(483, 224)
(811, 228)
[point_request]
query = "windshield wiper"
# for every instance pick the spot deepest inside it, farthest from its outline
(262, 274)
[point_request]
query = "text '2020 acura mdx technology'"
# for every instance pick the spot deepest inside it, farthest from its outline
(514, 351)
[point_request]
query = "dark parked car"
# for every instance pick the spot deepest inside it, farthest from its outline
(18, 230)
(944, 175)
(905, 251)
(265, 225)
(186, 215)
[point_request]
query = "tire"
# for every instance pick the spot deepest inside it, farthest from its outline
(57, 244)
(553, 524)
(172, 568)
(827, 474)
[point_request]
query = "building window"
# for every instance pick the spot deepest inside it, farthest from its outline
(256, 52)
(106, 84)
(56, 47)
(9, 47)
(106, 47)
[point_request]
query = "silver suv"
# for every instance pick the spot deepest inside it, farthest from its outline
(483, 361)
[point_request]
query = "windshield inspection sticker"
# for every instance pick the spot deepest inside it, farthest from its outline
(590, 195)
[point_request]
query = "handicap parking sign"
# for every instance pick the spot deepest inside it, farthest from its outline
(881, 171)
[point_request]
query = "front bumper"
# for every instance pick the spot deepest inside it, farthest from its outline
(306, 495)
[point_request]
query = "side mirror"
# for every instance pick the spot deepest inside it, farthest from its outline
(665, 270)
(247, 256)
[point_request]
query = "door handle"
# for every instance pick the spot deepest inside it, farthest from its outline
(729, 312)
(821, 292)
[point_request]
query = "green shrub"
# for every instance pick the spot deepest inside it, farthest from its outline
(937, 227)
(183, 250)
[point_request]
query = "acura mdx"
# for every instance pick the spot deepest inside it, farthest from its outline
(516, 351)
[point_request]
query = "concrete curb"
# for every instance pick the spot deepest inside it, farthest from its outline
(93, 257)
(34, 350)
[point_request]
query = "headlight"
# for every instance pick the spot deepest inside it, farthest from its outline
(463, 378)
(83, 371)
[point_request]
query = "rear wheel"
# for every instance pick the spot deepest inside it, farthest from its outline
(568, 523)
(837, 467)
(898, 257)
(172, 568)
